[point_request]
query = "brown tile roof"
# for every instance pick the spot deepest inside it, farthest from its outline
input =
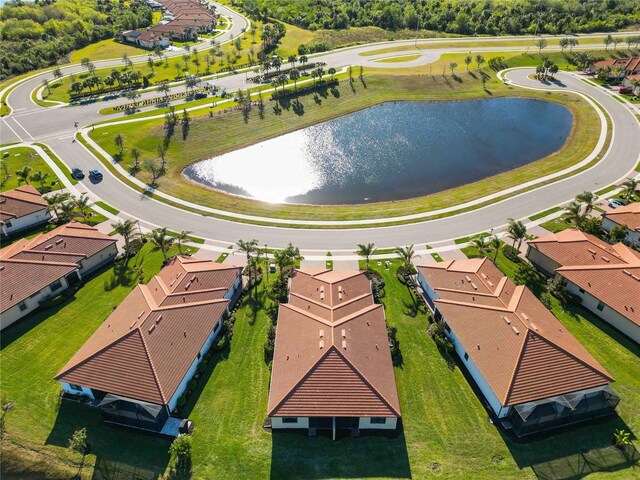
(608, 272)
(574, 247)
(20, 201)
(628, 215)
(146, 346)
(72, 238)
(522, 351)
(627, 64)
(32, 264)
(329, 361)
(22, 279)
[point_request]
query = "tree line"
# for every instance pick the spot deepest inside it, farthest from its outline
(493, 17)
(39, 34)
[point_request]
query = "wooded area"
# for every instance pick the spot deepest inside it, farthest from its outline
(39, 34)
(492, 17)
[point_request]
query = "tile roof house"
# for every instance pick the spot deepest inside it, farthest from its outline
(332, 366)
(140, 360)
(533, 373)
(33, 270)
(22, 208)
(627, 66)
(606, 278)
(628, 216)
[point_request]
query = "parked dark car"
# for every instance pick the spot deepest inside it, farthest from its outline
(77, 173)
(95, 175)
(199, 95)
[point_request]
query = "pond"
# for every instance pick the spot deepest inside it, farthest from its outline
(393, 151)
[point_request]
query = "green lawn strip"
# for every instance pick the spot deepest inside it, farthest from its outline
(556, 225)
(222, 257)
(108, 208)
(606, 190)
(462, 240)
(93, 219)
(18, 158)
(437, 257)
(399, 59)
(35, 349)
(508, 267)
(44, 102)
(232, 133)
(546, 213)
(190, 238)
(57, 161)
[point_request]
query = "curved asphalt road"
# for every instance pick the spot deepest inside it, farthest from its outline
(54, 126)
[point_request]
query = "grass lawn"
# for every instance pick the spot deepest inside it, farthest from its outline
(231, 132)
(294, 37)
(556, 225)
(446, 432)
(108, 208)
(540, 215)
(18, 158)
(33, 351)
(399, 59)
(104, 50)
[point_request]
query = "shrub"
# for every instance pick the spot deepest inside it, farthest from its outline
(511, 253)
(182, 400)
(193, 383)
(180, 451)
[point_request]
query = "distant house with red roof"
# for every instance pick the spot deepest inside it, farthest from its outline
(616, 67)
(627, 216)
(606, 278)
(534, 375)
(33, 270)
(22, 208)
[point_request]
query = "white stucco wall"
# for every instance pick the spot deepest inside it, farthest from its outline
(632, 237)
(365, 423)
(231, 292)
(14, 313)
(95, 261)
(27, 221)
(276, 422)
(425, 287)
(194, 366)
(607, 314)
(542, 261)
(83, 390)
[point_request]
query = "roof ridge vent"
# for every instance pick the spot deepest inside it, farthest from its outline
(159, 319)
(525, 316)
(344, 333)
(48, 247)
(506, 319)
(627, 272)
(59, 241)
(141, 313)
(152, 328)
(606, 259)
(592, 251)
(321, 332)
(133, 324)
(474, 286)
(344, 344)
(516, 331)
(467, 278)
(321, 344)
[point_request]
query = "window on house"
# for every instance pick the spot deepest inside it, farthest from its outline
(378, 420)
(199, 355)
(75, 387)
(289, 419)
(581, 290)
(7, 223)
(600, 306)
(55, 285)
(22, 306)
(466, 356)
(447, 328)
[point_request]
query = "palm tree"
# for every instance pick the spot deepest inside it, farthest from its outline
(182, 237)
(517, 232)
(82, 205)
(162, 240)
(55, 201)
(574, 214)
(467, 61)
(126, 228)
(588, 199)
(629, 188)
(292, 60)
(478, 242)
(66, 211)
(39, 177)
(366, 251)
(452, 66)
(494, 244)
(23, 175)
(407, 255)
(248, 247)
(294, 75)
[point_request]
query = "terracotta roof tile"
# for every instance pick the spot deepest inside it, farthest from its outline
(332, 356)
(522, 351)
(145, 347)
(628, 215)
(20, 202)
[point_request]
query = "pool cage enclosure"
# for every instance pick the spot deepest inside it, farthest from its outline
(529, 418)
(133, 413)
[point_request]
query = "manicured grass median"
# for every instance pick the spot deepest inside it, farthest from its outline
(108, 208)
